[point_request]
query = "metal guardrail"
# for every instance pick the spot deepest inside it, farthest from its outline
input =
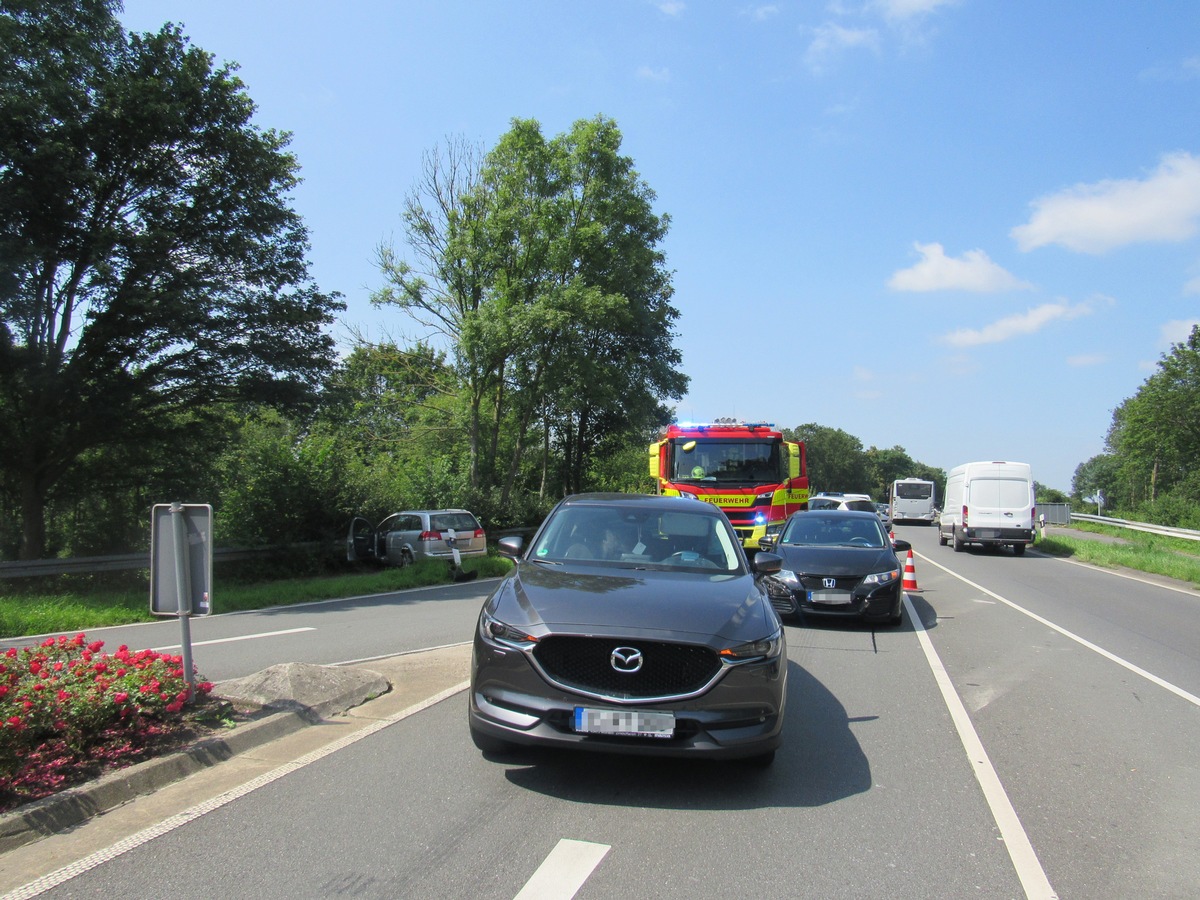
(1165, 530)
(87, 565)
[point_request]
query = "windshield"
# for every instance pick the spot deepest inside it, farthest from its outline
(725, 461)
(921, 490)
(833, 531)
(626, 538)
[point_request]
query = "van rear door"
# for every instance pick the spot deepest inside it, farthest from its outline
(1000, 499)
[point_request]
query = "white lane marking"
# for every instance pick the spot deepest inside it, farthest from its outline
(231, 640)
(564, 871)
(367, 659)
(1191, 592)
(54, 879)
(1020, 850)
(1084, 642)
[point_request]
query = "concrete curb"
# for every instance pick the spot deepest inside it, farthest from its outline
(76, 805)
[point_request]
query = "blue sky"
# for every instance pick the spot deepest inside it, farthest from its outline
(969, 228)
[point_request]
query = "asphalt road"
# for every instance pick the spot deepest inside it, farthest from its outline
(1032, 733)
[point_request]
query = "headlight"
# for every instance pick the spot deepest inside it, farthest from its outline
(788, 577)
(882, 577)
(688, 494)
(767, 648)
(494, 631)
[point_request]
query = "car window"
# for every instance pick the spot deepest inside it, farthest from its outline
(613, 537)
(457, 521)
(805, 530)
(861, 505)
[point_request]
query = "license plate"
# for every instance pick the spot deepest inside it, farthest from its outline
(988, 533)
(624, 722)
(829, 597)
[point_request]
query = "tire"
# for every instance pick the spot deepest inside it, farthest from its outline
(1018, 549)
(762, 761)
(406, 558)
(941, 537)
(959, 543)
(490, 746)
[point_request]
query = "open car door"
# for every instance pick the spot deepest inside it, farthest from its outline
(362, 543)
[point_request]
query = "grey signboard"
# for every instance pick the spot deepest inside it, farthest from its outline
(181, 559)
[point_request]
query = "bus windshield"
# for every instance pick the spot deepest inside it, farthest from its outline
(914, 490)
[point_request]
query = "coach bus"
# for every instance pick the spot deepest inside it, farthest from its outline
(913, 500)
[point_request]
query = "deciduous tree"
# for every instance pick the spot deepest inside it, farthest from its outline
(150, 260)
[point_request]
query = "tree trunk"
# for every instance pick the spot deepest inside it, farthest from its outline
(33, 517)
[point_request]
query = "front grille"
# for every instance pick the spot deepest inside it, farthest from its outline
(668, 670)
(817, 582)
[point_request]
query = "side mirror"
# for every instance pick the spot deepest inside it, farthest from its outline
(901, 546)
(766, 563)
(511, 546)
(767, 543)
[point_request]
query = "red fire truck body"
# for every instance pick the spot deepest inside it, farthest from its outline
(746, 468)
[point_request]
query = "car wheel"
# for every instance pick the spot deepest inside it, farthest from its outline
(406, 558)
(762, 761)
(1018, 549)
(492, 746)
(959, 543)
(941, 537)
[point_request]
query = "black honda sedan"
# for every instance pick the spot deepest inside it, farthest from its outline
(631, 624)
(838, 563)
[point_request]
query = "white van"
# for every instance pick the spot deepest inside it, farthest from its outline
(990, 504)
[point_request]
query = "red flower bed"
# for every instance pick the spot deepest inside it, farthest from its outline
(69, 711)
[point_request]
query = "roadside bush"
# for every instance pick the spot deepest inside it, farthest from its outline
(69, 711)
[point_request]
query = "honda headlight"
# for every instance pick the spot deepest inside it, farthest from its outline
(882, 577)
(767, 648)
(788, 577)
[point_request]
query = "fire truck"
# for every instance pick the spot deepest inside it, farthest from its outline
(746, 468)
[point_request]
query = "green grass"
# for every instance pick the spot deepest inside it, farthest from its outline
(1176, 558)
(79, 604)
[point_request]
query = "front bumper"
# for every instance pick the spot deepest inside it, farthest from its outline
(880, 603)
(741, 715)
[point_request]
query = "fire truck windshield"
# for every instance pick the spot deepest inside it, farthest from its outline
(725, 461)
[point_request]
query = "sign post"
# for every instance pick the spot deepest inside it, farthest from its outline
(181, 569)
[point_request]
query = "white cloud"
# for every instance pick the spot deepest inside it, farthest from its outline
(861, 373)
(1185, 70)
(1087, 359)
(831, 39)
(1029, 322)
(762, 13)
(650, 74)
(936, 271)
(1177, 331)
(906, 9)
(1094, 218)
(672, 7)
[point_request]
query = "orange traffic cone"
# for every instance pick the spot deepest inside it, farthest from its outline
(910, 575)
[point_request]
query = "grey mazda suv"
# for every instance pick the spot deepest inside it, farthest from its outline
(631, 624)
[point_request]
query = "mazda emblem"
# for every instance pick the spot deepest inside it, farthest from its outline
(829, 582)
(626, 659)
